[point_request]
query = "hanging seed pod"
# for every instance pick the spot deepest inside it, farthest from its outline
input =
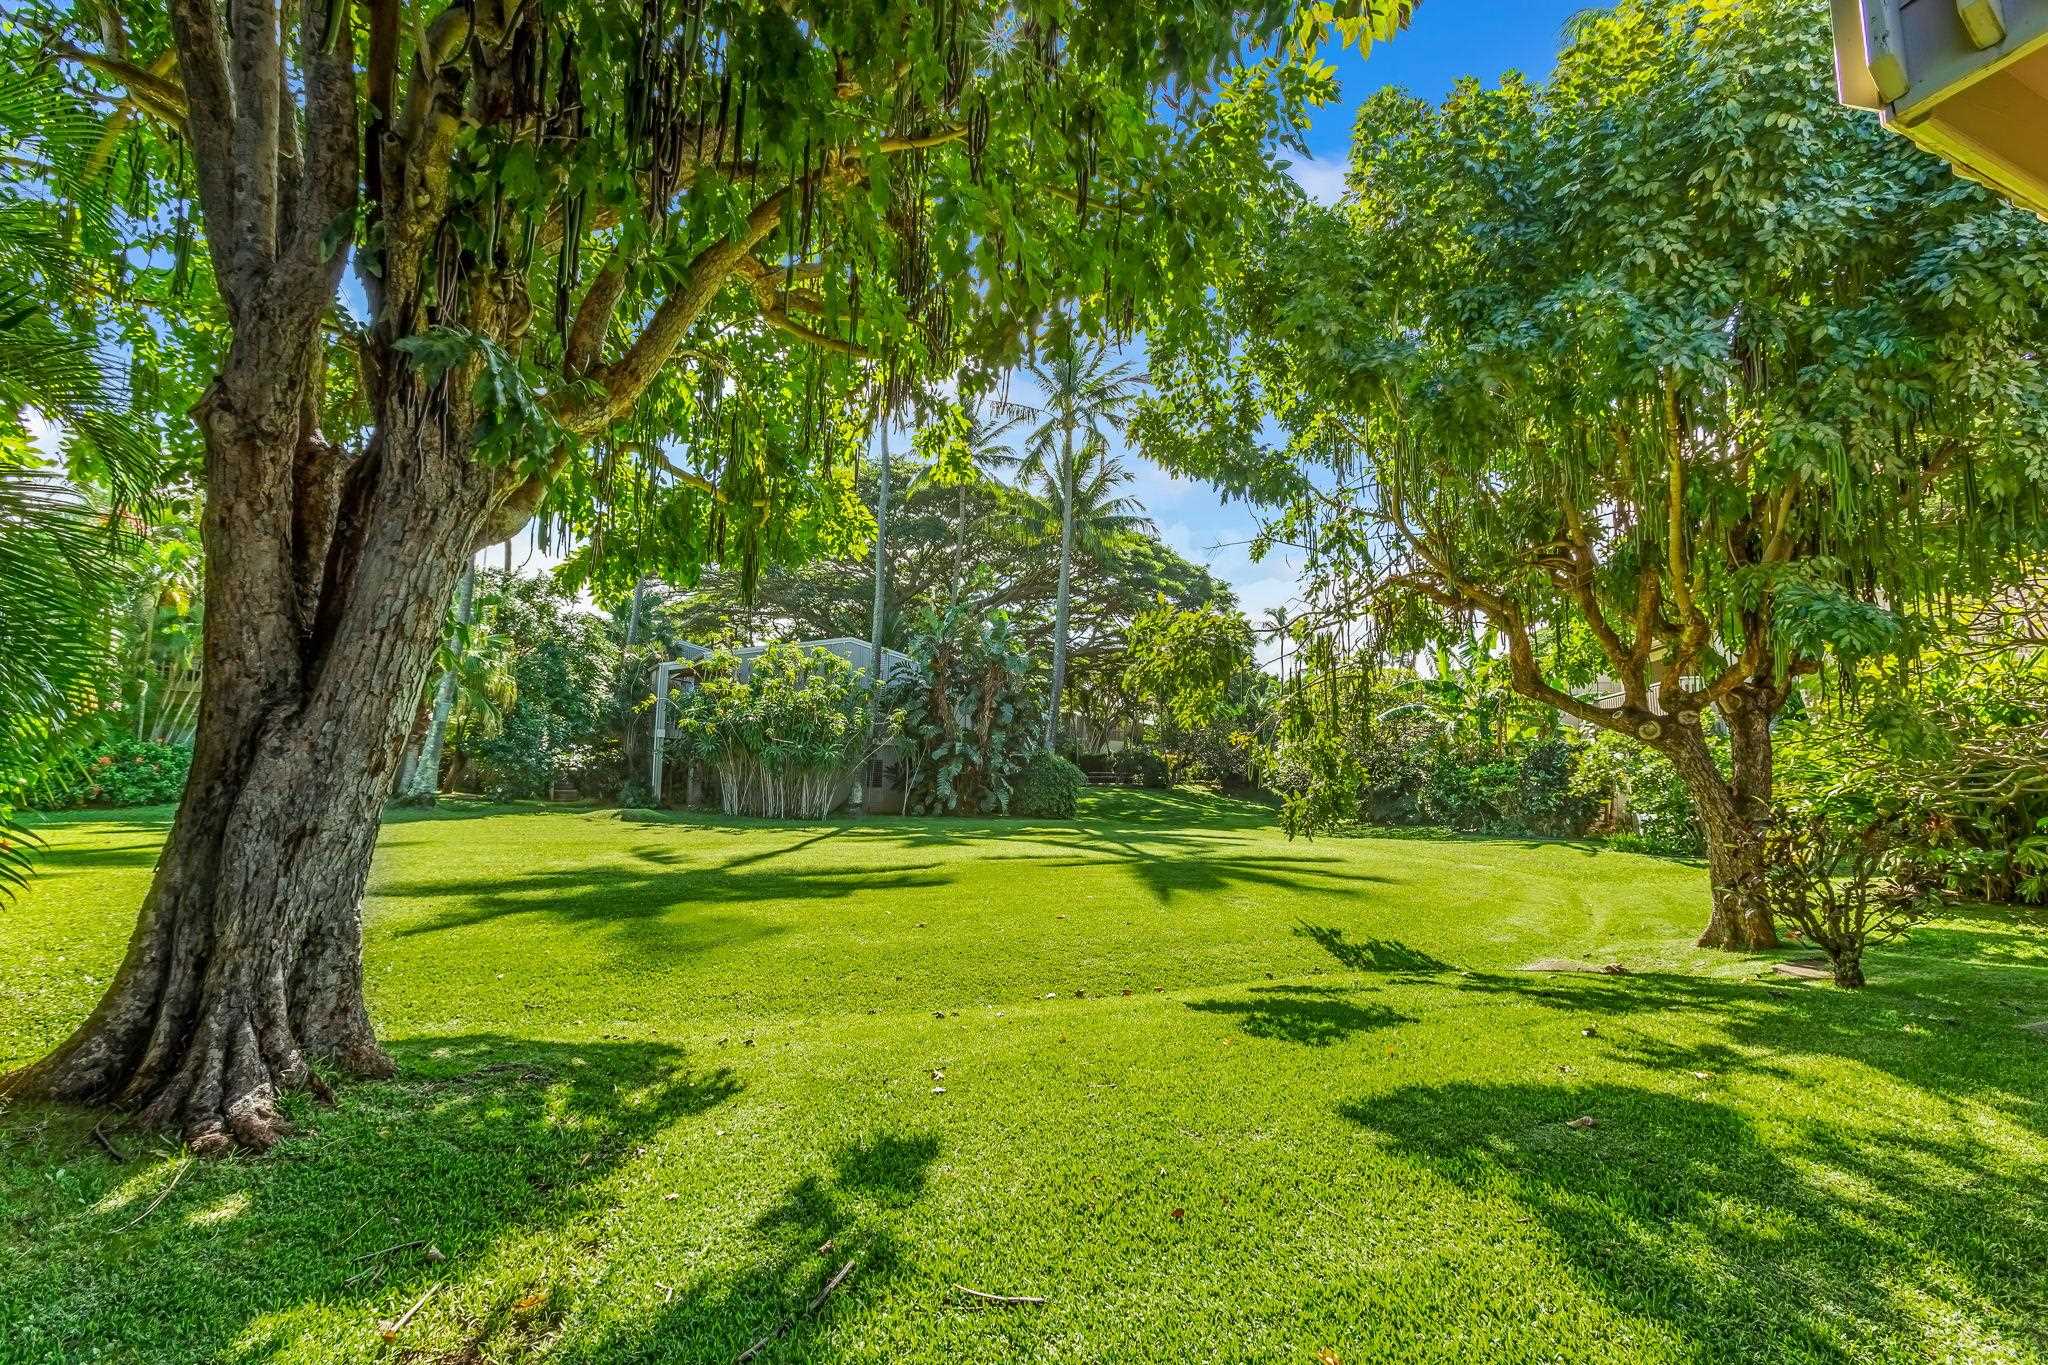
(138, 176)
(181, 253)
(1081, 176)
(956, 56)
(977, 135)
(739, 126)
(724, 107)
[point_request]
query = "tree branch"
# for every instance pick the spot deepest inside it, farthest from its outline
(255, 61)
(584, 345)
(776, 303)
(209, 103)
(623, 381)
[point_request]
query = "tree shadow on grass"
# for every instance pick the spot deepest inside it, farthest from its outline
(664, 903)
(1380, 955)
(56, 860)
(778, 1300)
(1818, 1245)
(1315, 1016)
(1940, 1026)
(482, 1140)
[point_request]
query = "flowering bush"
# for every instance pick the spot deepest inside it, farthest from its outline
(118, 771)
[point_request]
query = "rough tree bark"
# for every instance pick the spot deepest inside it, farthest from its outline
(1734, 843)
(245, 966)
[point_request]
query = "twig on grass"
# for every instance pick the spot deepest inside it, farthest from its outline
(831, 1287)
(839, 1277)
(998, 1300)
(162, 1195)
(106, 1143)
(390, 1330)
(399, 1246)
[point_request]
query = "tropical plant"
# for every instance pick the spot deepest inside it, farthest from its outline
(117, 770)
(60, 556)
(964, 718)
(786, 736)
(1086, 393)
(560, 660)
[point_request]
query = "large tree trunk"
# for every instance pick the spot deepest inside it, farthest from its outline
(1740, 920)
(246, 965)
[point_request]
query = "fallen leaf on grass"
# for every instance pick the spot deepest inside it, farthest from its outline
(531, 1301)
(1583, 1121)
(1327, 1356)
(1178, 1215)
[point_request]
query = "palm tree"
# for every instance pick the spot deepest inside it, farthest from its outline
(981, 454)
(1086, 394)
(1089, 512)
(1277, 622)
(60, 563)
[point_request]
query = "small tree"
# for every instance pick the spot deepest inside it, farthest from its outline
(1833, 878)
(785, 740)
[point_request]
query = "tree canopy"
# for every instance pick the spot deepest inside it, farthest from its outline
(1671, 370)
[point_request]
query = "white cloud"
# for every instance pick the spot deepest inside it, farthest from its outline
(1320, 178)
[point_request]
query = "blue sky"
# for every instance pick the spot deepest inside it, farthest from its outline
(1449, 39)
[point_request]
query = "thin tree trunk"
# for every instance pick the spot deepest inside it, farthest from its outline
(425, 776)
(1059, 610)
(960, 542)
(881, 558)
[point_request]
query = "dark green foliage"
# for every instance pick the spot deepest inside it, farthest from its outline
(1525, 788)
(1962, 758)
(118, 771)
(1047, 788)
(562, 662)
(968, 722)
(1142, 766)
(1653, 811)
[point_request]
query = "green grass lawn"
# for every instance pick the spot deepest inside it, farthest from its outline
(1214, 1096)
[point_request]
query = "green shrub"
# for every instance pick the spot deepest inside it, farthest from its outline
(1048, 788)
(967, 720)
(1142, 766)
(1648, 807)
(118, 771)
(786, 740)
